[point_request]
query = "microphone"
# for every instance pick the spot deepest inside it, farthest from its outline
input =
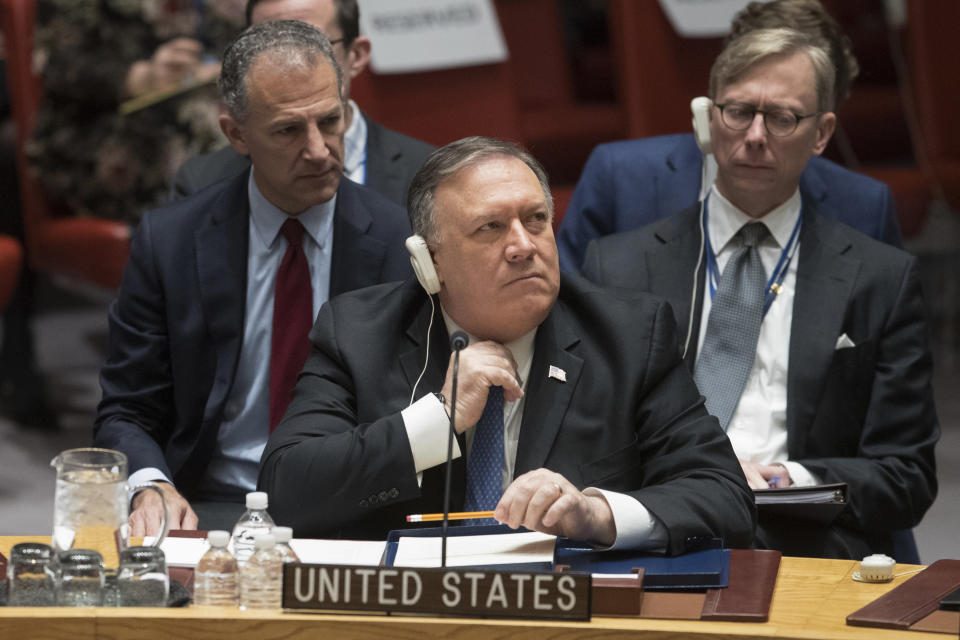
(458, 341)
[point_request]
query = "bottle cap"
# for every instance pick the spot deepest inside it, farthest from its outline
(282, 534)
(264, 541)
(256, 500)
(218, 538)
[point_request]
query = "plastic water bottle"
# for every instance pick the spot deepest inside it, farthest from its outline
(261, 579)
(283, 536)
(215, 578)
(253, 521)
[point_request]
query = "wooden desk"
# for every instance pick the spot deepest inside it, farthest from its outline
(812, 600)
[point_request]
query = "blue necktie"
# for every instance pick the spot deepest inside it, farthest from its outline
(484, 467)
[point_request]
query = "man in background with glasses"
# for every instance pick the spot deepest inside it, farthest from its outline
(630, 183)
(806, 337)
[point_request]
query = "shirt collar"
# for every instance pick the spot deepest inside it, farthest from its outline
(354, 141)
(521, 348)
(267, 218)
(726, 219)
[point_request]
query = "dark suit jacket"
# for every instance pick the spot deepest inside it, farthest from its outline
(177, 325)
(628, 184)
(863, 415)
(628, 418)
(392, 161)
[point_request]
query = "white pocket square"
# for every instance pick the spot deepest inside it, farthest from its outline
(844, 342)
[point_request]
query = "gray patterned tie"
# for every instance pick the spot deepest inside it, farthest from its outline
(730, 344)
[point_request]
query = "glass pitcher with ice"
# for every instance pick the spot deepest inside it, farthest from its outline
(92, 503)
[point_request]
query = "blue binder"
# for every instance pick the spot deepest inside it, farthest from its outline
(706, 568)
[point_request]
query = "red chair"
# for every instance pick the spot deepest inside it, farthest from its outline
(11, 256)
(88, 249)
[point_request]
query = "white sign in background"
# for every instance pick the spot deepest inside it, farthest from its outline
(427, 35)
(701, 18)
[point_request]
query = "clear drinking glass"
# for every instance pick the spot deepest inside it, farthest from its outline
(31, 575)
(92, 502)
(81, 578)
(143, 580)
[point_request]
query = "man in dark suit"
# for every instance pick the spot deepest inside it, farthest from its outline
(210, 327)
(628, 184)
(587, 423)
(836, 385)
(375, 156)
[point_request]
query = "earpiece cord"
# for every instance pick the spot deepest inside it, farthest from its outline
(426, 359)
(696, 270)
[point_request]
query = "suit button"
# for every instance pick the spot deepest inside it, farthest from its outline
(363, 504)
(384, 496)
(394, 493)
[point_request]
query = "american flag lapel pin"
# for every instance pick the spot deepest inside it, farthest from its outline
(557, 373)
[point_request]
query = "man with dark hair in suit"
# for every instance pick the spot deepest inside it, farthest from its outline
(574, 412)
(808, 337)
(375, 156)
(210, 327)
(630, 183)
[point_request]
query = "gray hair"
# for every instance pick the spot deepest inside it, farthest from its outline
(453, 158)
(755, 47)
(291, 44)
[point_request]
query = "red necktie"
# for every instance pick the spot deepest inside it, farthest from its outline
(292, 310)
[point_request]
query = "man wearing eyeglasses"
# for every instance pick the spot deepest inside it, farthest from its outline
(374, 155)
(629, 183)
(806, 337)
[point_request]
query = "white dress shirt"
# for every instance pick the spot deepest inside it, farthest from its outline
(427, 426)
(758, 427)
(355, 146)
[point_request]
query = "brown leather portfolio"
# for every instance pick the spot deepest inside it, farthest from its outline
(747, 598)
(916, 601)
(753, 575)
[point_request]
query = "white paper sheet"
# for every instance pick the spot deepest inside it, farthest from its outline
(462, 551)
(186, 552)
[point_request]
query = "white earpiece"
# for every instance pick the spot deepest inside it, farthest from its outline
(422, 264)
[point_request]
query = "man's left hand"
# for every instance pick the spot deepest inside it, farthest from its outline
(765, 476)
(542, 500)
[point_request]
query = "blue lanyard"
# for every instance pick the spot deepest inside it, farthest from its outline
(779, 272)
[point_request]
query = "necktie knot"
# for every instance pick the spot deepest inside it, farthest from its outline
(293, 231)
(753, 234)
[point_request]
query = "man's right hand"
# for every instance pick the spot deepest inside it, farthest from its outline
(482, 365)
(147, 511)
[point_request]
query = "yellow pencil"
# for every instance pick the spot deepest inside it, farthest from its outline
(461, 515)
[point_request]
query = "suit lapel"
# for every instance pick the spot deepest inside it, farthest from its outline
(411, 361)
(547, 398)
(825, 279)
(221, 246)
(383, 161)
(669, 268)
(357, 257)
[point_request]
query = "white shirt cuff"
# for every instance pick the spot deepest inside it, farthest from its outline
(799, 474)
(427, 427)
(147, 474)
(636, 527)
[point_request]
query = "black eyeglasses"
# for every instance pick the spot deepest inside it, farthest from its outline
(338, 41)
(778, 122)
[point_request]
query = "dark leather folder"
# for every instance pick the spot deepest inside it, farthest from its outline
(820, 503)
(915, 602)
